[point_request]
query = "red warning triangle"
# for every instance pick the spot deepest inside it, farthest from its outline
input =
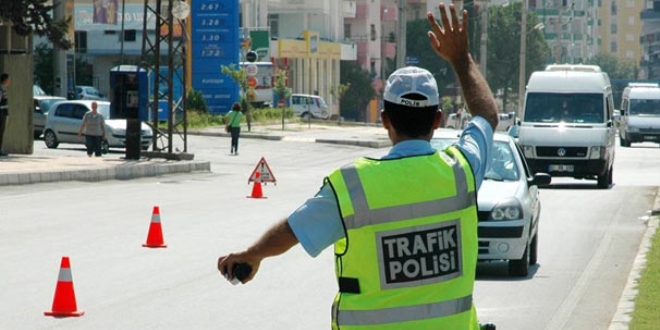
(265, 174)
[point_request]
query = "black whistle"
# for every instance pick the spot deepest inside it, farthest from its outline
(241, 271)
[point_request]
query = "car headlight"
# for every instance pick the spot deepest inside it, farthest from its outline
(529, 151)
(597, 153)
(509, 209)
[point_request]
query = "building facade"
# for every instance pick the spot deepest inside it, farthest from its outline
(621, 29)
(650, 39)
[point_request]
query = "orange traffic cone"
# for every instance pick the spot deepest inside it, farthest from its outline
(155, 236)
(256, 189)
(64, 303)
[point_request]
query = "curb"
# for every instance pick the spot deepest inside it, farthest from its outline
(360, 143)
(626, 306)
(122, 172)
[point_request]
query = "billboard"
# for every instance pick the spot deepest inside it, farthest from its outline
(215, 42)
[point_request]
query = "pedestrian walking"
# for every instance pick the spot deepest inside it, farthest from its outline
(4, 108)
(234, 125)
(93, 127)
(404, 227)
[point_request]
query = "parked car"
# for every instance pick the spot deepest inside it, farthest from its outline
(42, 104)
(305, 105)
(65, 118)
(508, 204)
(458, 120)
(89, 93)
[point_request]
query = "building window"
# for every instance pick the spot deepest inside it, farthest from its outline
(347, 31)
(274, 24)
(80, 39)
(372, 68)
(631, 20)
(373, 33)
(613, 7)
(630, 37)
(613, 28)
(613, 47)
(630, 4)
(630, 54)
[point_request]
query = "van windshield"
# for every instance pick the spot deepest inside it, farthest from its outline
(564, 108)
(645, 107)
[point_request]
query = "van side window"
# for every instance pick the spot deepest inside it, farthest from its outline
(295, 100)
(64, 110)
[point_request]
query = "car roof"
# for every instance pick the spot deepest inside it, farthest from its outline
(448, 133)
(48, 97)
(85, 102)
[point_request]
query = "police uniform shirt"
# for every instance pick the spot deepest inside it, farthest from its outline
(317, 223)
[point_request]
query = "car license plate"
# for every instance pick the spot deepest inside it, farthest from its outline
(650, 137)
(561, 168)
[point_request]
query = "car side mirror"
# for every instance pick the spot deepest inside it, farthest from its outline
(540, 180)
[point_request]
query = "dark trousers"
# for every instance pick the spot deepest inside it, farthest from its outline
(235, 133)
(93, 144)
(3, 123)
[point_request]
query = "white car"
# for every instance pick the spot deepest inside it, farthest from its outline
(65, 117)
(508, 204)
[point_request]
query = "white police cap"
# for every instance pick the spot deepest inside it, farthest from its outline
(412, 79)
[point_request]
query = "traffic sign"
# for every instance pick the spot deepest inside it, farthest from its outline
(252, 82)
(251, 69)
(266, 175)
(251, 56)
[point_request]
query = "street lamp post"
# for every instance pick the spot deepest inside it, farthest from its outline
(523, 59)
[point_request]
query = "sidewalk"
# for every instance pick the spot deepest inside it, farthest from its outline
(41, 167)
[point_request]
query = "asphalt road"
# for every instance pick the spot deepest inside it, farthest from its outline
(588, 241)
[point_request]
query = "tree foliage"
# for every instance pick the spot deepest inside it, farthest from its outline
(282, 90)
(504, 49)
(361, 92)
(615, 68)
(34, 16)
(44, 71)
(417, 45)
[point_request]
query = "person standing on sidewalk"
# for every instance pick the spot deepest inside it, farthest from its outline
(93, 126)
(404, 227)
(4, 108)
(234, 126)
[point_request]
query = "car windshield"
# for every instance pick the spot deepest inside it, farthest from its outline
(564, 108)
(502, 165)
(645, 107)
(322, 103)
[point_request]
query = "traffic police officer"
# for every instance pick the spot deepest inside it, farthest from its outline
(404, 226)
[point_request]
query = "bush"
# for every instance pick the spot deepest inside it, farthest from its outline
(195, 101)
(270, 114)
(198, 119)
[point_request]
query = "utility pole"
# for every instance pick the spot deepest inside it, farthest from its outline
(484, 39)
(401, 40)
(560, 31)
(523, 58)
(59, 55)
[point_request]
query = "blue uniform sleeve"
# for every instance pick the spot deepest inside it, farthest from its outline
(317, 223)
(476, 142)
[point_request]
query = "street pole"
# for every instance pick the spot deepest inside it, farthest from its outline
(401, 40)
(484, 39)
(523, 53)
(59, 55)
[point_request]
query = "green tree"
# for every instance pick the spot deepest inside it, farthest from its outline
(504, 49)
(239, 76)
(34, 16)
(43, 69)
(615, 69)
(417, 45)
(338, 93)
(358, 96)
(282, 90)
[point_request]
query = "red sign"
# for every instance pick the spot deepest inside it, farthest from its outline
(252, 82)
(266, 175)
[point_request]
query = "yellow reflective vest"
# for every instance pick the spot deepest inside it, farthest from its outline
(408, 259)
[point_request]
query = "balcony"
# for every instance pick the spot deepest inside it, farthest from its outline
(650, 15)
(348, 8)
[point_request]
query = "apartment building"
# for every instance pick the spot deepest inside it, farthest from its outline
(650, 39)
(621, 28)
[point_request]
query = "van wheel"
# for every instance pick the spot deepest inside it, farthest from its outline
(605, 180)
(51, 140)
(305, 116)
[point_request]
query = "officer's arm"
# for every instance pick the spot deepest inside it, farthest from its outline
(277, 240)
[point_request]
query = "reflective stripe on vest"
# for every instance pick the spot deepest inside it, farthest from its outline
(405, 314)
(462, 200)
(400, 247)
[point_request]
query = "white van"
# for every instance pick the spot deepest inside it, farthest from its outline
(567, 127)
(305, 105)
(640, 114)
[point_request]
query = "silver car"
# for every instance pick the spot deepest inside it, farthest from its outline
(508, 204)
(42, 104)
(65, 118)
